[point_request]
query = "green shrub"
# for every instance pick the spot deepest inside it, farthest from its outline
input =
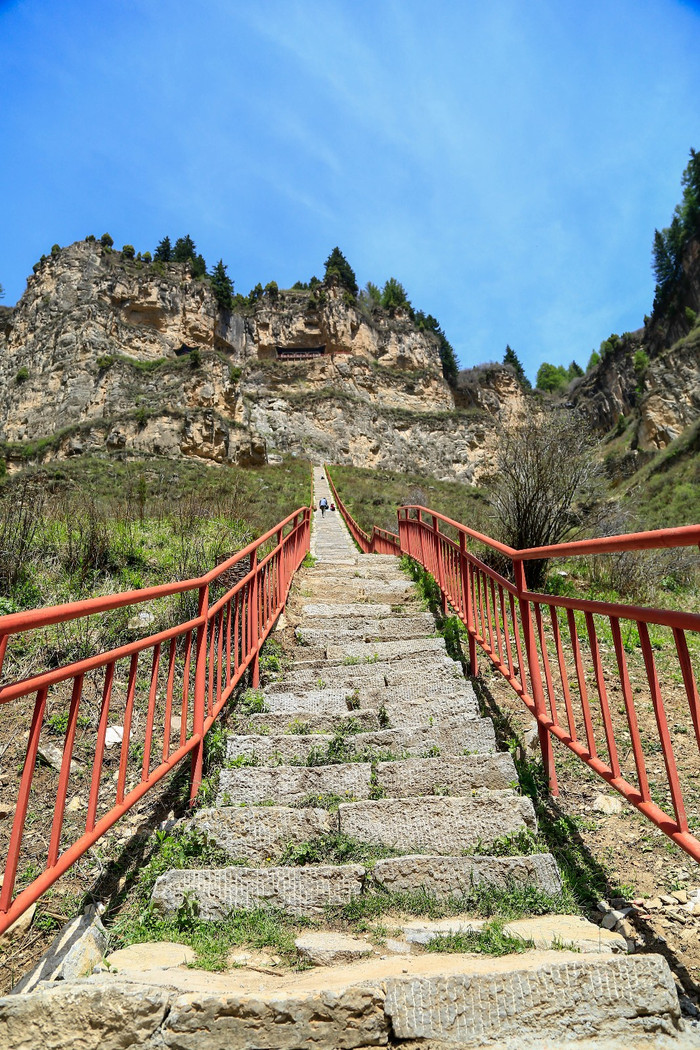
(55, 249)
(147, 257)
(691, 316)
(128, 251)
(106, 241)
(91, 238)
(22, 375)
(234, 373)
(105, 361)
(195, 358)
(641, 362)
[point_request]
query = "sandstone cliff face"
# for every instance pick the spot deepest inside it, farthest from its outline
(107, 354)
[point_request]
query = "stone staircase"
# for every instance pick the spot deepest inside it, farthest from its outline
(374, 734)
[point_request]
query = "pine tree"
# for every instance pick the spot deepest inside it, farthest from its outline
(164, 251)
(574, 371)
(184, 249)
(222, 286)
(339, 270)
(511, 358)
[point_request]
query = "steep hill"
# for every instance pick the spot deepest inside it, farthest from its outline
(105, 353)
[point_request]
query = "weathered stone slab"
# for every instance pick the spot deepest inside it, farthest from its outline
(338, 630)
(454, 776)
(346, 588)
(75, 950)
(438, 825)
(412, 711)
(454, 876)
(450, 738)
(321, 610)
(293, 721)
(261, 832)
(289, 784)
(545, 931)
(606, 997)
(373, 652)
(151, 955)
(306, 698)
(285, 749)
(341, 1020)
(426, 667)
(328, 948)
(82, 1015)
(219, 891)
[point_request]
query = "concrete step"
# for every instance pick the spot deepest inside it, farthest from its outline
(287, 785)
(446, 776)
(258, 833)
(300, 722)
(449, 876)
(449, 738)
(298, 891)
(538, 1001)
(437, 825)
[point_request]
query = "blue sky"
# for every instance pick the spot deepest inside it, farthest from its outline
(507, 161)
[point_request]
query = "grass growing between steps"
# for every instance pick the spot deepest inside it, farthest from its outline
(513, 901)
(336, 848)
(489, 940)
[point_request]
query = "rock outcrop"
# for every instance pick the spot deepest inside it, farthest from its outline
(108, 354)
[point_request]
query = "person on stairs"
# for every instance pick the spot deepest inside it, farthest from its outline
(323, 506)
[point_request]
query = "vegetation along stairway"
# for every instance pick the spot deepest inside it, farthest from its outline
(363, 795)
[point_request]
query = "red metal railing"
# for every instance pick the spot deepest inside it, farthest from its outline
(558, 653)
(379, 541)
(165, 691)
(614, 683)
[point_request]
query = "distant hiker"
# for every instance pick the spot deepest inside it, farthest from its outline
(332, 506)
(323, 506)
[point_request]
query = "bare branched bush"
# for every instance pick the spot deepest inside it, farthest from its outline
(544, 469)
(21, 511)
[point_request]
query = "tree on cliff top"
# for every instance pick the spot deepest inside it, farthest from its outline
(511, 358)
(164, 251)
(448, 357)
(222, 286)
(339, 270)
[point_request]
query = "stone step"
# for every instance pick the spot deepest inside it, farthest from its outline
(426, 668)
(445, 876)
(258, 833)
(411, 711)
(375, 652)
(438, 825)
(545, 931)
(540, 1000)
(287, 785)
(301, 722)
(337, 588)
(446, 776)
(312, 701)
(449, 738)
(337, 630)
(314, 610)
(218, 891)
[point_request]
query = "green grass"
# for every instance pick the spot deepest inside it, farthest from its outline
(489, 940)
(335, 848)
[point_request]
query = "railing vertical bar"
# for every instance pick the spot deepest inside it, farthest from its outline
(691, 688)
(603, 695)
(63, 776)
(563, 672)
(628, 700)
(169, 689)
(547, 667)
(99, 749)
(662, 723)
(150, 716)
(128, 714)
(581, 679)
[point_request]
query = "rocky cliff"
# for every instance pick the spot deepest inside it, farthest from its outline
(104, 353)
(652, 377)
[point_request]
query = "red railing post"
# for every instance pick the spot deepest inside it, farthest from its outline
(253, 604)
(440, 564)
(535, 676)
(465, 568)
(200, 691)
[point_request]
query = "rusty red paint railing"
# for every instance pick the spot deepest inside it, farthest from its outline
(549, 649)
(165, 705)
(379, 541)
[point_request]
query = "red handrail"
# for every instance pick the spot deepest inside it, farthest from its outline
(204, 657)
(379, 541)
(559, 653)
